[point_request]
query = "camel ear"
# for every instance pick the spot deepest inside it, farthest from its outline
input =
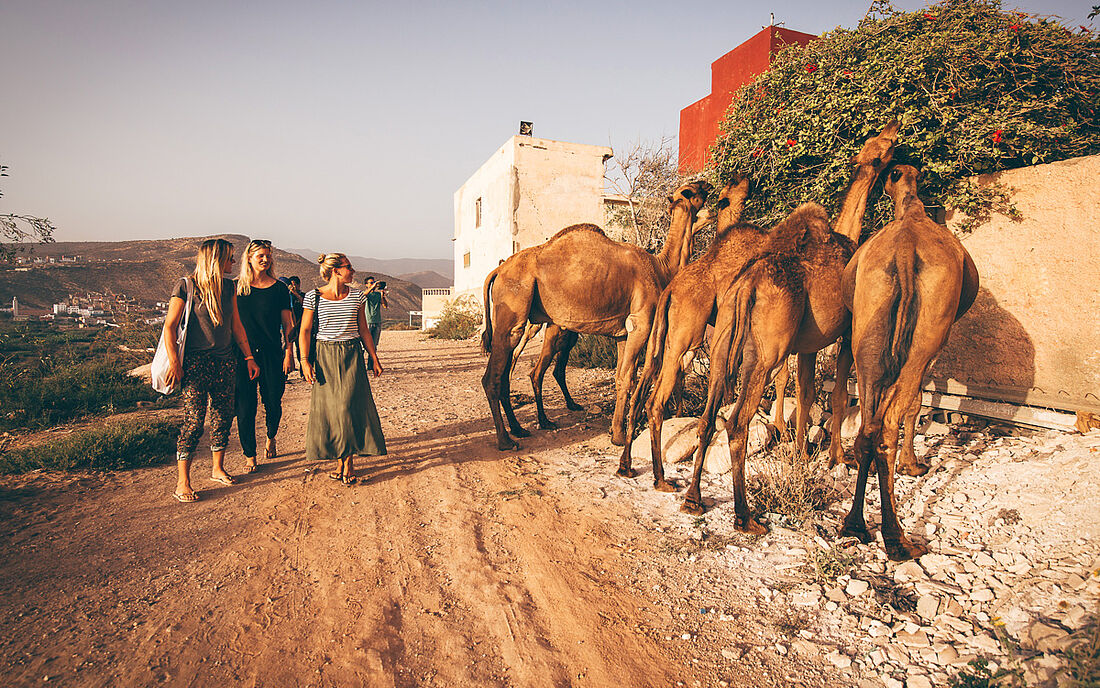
(686, 193)
(722, 203)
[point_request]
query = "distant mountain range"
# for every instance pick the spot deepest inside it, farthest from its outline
(428, 269)
(147, 270)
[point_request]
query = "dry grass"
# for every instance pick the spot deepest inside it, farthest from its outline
(784, 484)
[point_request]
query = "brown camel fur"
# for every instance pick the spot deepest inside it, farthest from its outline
(580, 280)
(691, 302)
(559, 342)
(905, 287)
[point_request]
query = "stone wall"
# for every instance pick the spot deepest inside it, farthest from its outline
(1033, 334)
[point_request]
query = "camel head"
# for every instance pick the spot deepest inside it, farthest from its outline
(733, 193)
(879, 150)
(902, 181)
(690, 196)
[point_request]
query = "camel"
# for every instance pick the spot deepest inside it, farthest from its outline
(905, 288)
(580, 280)
(556, 341)
(690, 302)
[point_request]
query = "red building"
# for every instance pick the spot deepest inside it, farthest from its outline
(699, 121)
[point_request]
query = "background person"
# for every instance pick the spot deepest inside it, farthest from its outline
(376, 301)
(343, 420)
(264, 306)
(296, 297)
(208, 369)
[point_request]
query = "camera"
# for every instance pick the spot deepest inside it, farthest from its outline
(381, 285)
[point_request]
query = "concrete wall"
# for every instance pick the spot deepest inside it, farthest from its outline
(1033, 334)
(433, 301)
(529, 189)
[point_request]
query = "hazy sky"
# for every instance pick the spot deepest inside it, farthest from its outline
(342, 126)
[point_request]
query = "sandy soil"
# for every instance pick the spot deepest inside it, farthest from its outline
(453, 565)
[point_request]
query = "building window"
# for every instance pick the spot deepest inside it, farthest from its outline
(515, 247)
(477, 213)
(466, 260)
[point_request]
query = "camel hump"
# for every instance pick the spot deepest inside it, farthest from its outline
(583, 227)
(808, 222)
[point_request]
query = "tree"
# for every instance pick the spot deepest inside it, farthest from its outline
(15, 229)
(976, 89)
(645, 175)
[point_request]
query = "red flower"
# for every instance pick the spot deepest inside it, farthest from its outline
(847, 73)
(997, 135)
(1015, 27)
(791, 142)
(1085, 29)
(929, 16)
(811, 68)
(756, 153)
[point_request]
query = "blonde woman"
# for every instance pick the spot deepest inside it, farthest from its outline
(343, 420)
(208, 368)
(264, 306)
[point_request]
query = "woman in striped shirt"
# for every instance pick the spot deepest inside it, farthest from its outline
(343, 420)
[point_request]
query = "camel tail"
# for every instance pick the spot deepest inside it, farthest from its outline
(746, 301)
(901, 326)
(487, 333)
(656, 345)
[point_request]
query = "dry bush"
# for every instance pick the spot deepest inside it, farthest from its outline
(784, 484)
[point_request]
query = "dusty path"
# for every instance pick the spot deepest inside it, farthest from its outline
(455, 565)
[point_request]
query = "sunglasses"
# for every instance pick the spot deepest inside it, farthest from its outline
(260, 242)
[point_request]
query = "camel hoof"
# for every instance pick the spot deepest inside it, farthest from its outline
(665, 486)
(547, 425)
(618, 441)
(856, 530)
(914, 469)
(519, 432)
(626, 472)
(574, 406)
(507, 444)
(904, 550)
(750, 526)
(693, 507)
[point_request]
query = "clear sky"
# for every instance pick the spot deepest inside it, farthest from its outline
(341, 126)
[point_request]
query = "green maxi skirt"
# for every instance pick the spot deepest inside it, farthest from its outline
(343, 420)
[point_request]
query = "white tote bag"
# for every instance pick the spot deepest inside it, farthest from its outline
(161, 365)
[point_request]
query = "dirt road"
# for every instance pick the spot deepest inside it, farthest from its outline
(453, 565)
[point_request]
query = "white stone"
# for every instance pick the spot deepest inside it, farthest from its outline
(982, 595)
(849, 426)
(908, 571)
(891, 682)
(679, 440)
(857, 587)
(927, 606)
(918, 681)
(840, 661)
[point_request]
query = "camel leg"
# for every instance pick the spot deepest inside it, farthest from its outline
(854, 524)
(840, 402)
(908, 463)
(807, 367)
(495, 384)
(506, 403)
(568, 342)
(627, 371)
(667, 379)
(721, 342)
(781, 378)
(898, 547)
(754, 374)
(551, 343)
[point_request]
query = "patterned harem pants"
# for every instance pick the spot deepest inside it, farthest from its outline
(206, 376)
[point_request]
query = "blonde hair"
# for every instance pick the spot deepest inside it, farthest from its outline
(208, 275)
(244, 281)
(329, 262)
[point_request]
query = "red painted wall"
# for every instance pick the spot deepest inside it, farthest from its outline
(699, 122)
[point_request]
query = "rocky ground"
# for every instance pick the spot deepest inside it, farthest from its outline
(455, 564)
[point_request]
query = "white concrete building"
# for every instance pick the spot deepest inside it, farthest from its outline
(527, 191)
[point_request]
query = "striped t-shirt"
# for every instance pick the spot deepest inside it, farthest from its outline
(337, 321)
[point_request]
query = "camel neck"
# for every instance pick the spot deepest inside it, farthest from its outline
(850, 221)
(672, 255)
(908, 203)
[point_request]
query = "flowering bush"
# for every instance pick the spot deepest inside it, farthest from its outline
(976, 90)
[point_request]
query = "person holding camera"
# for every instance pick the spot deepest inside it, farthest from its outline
(376, 301)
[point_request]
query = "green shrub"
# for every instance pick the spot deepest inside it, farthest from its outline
(976, 89)
(461, 319)
(594, 351)
(40, 398)
(112, 447)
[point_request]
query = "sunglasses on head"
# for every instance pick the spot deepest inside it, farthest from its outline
(260, 242)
